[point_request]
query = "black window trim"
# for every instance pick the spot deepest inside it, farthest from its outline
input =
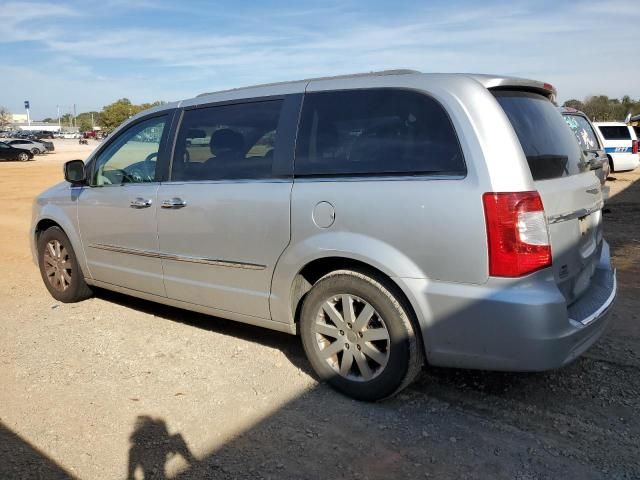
(286, 132)
(170, 113)
(388, 176)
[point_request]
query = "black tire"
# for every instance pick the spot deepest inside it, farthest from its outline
(405, 355)
(77, 289)
(35, 151)
(23, 157)
(611, 169)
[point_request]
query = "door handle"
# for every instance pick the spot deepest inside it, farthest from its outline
(174, 202)
(140, 203)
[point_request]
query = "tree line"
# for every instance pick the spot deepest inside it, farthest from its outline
(600, 108)
(108, 119)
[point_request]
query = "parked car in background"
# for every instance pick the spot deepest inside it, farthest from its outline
(34, 147)
(48, 145)
(621, 145)
(72, 135)
(484, 250)
(43, 134)
(7, 152)
(588, 140)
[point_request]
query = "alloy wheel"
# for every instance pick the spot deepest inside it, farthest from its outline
(352, 337)
(57, 265)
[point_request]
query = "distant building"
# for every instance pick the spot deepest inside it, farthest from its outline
(40, 127)
(18, 118)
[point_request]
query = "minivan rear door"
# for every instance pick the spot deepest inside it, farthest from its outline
(570, 191)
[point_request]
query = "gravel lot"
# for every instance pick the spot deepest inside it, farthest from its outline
(114, 387)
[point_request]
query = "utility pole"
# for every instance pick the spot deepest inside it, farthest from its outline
(92, 124)
(74, 115)
(59, 124)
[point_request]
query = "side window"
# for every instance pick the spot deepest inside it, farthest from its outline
(227, 142)
(131, 157)
(376, 132)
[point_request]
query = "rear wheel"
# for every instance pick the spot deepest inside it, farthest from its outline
(35, 151)
(358, 336)
(611, 169)
(59, 267)
(23, 156)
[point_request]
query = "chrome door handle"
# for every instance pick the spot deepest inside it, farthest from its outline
(140, 203)
(174, 202)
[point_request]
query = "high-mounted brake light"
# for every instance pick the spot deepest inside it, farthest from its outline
(548, 86)
(517, 233)
(634, 146)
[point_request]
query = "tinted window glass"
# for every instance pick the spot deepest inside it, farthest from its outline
(131, 156)
(550, 148)
(376, 132)
(637, 129)
(615, 132)
(227, 142)
(582, 130)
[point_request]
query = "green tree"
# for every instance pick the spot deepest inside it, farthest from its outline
(573, 103)
(87, 120)
(114, 114)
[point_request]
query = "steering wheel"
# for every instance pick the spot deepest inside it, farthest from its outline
(142, 171)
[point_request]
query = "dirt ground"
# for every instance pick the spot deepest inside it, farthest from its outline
(115, 387)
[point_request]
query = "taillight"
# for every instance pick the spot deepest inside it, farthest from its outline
(634, 146)
(517, 233)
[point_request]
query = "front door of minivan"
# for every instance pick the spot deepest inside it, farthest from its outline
(117, 212)
(223, 218)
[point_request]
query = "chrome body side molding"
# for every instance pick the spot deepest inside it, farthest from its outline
(178, 258)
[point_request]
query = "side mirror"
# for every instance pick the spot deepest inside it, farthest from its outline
(74, 172)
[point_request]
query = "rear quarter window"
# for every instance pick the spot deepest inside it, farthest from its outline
(582, 130)
(376, 132)
(615, 132)
(550, 147)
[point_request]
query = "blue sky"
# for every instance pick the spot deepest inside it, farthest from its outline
(93, 52)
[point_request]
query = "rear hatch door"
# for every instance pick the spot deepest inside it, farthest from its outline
(570, 190)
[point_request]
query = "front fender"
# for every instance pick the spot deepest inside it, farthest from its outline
(368, 250)
(61, 208)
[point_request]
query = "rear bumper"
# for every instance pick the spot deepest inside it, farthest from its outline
(522, 325)
(625, 161)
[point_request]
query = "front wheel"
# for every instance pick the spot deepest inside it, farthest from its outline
(59, 267)
(35, 151)
(23, 156)
(358, 336)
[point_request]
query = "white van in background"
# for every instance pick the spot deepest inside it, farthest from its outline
(620, 143)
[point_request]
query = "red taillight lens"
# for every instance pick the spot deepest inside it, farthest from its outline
(634, 146)
(517, 233)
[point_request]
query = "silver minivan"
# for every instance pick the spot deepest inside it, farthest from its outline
(390, 219)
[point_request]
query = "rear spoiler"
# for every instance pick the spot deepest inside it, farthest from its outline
(520, 84)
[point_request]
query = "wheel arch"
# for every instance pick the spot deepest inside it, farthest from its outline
(52, 215)
(317, 268)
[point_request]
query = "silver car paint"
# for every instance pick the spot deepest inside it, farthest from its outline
(427, 234)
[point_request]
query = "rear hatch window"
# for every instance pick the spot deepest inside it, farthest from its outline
(550, 150)
(615, 132)
(581, 128)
